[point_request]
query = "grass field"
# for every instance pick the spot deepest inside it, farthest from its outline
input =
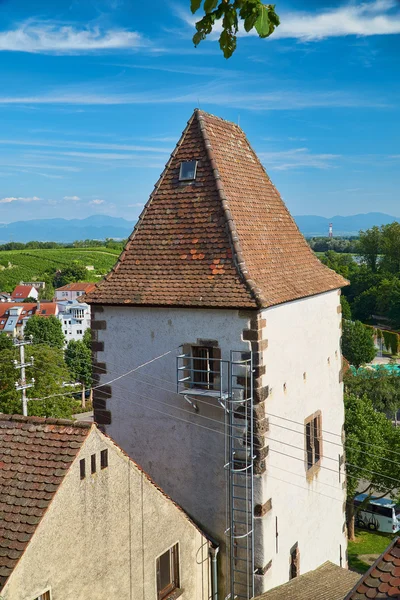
(366, 542)
(31, 264)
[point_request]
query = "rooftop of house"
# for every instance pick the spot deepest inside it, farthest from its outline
(224, 238)
(328, 582)
(382, 580)
(76, 287)
(25, 310)
(22, 291)
(35, 455)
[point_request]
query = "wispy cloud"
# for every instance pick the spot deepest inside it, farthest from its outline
(77, 144)
(96, 202)
(379, 17)
(217, 94)
(297, 158)
(55, 38)
(72, 198)
(20, 199)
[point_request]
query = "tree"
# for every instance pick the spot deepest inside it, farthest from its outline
(357, 343)
(87, 338)
(49, 371)
(369, 247)
(5, 342)
(253, 13)
(79, 361)
(74, 272)
(380, 385)
(390, 245)
(45, 330)
(30, 299)
(346, 310)
(371, 447)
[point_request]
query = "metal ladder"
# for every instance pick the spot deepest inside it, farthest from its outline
(239, 430)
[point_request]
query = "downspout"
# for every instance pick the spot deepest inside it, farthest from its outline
(214, 571)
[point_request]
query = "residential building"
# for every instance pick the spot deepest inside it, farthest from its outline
(327, 582)
(5, 297)
(14, 315)
(72, 291)
(81, 520)
(382, 580)
(38, 285)
(75, 319)
(24, 291)
(228, 329)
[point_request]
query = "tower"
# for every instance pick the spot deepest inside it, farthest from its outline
(216, 277)
(330, 230)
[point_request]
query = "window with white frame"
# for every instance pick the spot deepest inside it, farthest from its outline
(167, 567)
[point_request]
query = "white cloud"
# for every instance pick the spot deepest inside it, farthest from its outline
(96, 202)
(378, 17)
(54, 38)
(73, 198)
(297, 158)
(20, 199)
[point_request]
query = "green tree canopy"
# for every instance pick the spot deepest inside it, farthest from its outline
(74, 272)
(346, 310)
(79, 360)
(371, 447)
(357, 343)
(45, 330)
(380, 385)
(49, 371)
(5, 342)
(253, 14)
(369, 247)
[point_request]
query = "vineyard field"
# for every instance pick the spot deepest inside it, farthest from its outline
(32, 264)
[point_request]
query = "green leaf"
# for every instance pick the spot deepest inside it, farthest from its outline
(227, 43)
(262, 23)
(210, 5)
(195, 5)
(250, 21)
(198, 37)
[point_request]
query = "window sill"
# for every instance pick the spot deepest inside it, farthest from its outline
(176, 593)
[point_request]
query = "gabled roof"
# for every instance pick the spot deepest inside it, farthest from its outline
(382, 580)
(46, 310)
(35, 455)
(76, 287)
(328, 582)
(223, 240)
(22, 291)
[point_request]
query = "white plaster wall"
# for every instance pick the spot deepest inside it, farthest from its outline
(182, 450)
(100, 537)
(303, 354)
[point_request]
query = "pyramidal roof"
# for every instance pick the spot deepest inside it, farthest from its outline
(225, 239)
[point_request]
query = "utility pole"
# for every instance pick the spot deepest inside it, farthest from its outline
(21, 385)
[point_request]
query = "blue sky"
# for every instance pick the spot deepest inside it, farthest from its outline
(95, 94)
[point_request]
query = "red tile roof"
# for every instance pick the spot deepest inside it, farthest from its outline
(382, 580)
(21, 292)
(76, 287)
(46, 310)
(223, 240)
(35, 455)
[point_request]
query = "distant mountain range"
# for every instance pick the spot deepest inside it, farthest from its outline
(99, 227)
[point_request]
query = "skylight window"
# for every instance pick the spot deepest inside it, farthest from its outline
(188, 170)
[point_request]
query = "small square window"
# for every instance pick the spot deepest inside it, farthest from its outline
(188, 170)
(104, 459)
(93, 463)
(167, 572)
(82, 467)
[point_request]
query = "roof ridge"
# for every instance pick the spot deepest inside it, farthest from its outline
(235, 240)
(44, 421)
(208, 114)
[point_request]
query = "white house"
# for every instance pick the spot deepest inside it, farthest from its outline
(24, 291)
(72, 291)
(216, 264)
(75, 319)
(80, 520)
